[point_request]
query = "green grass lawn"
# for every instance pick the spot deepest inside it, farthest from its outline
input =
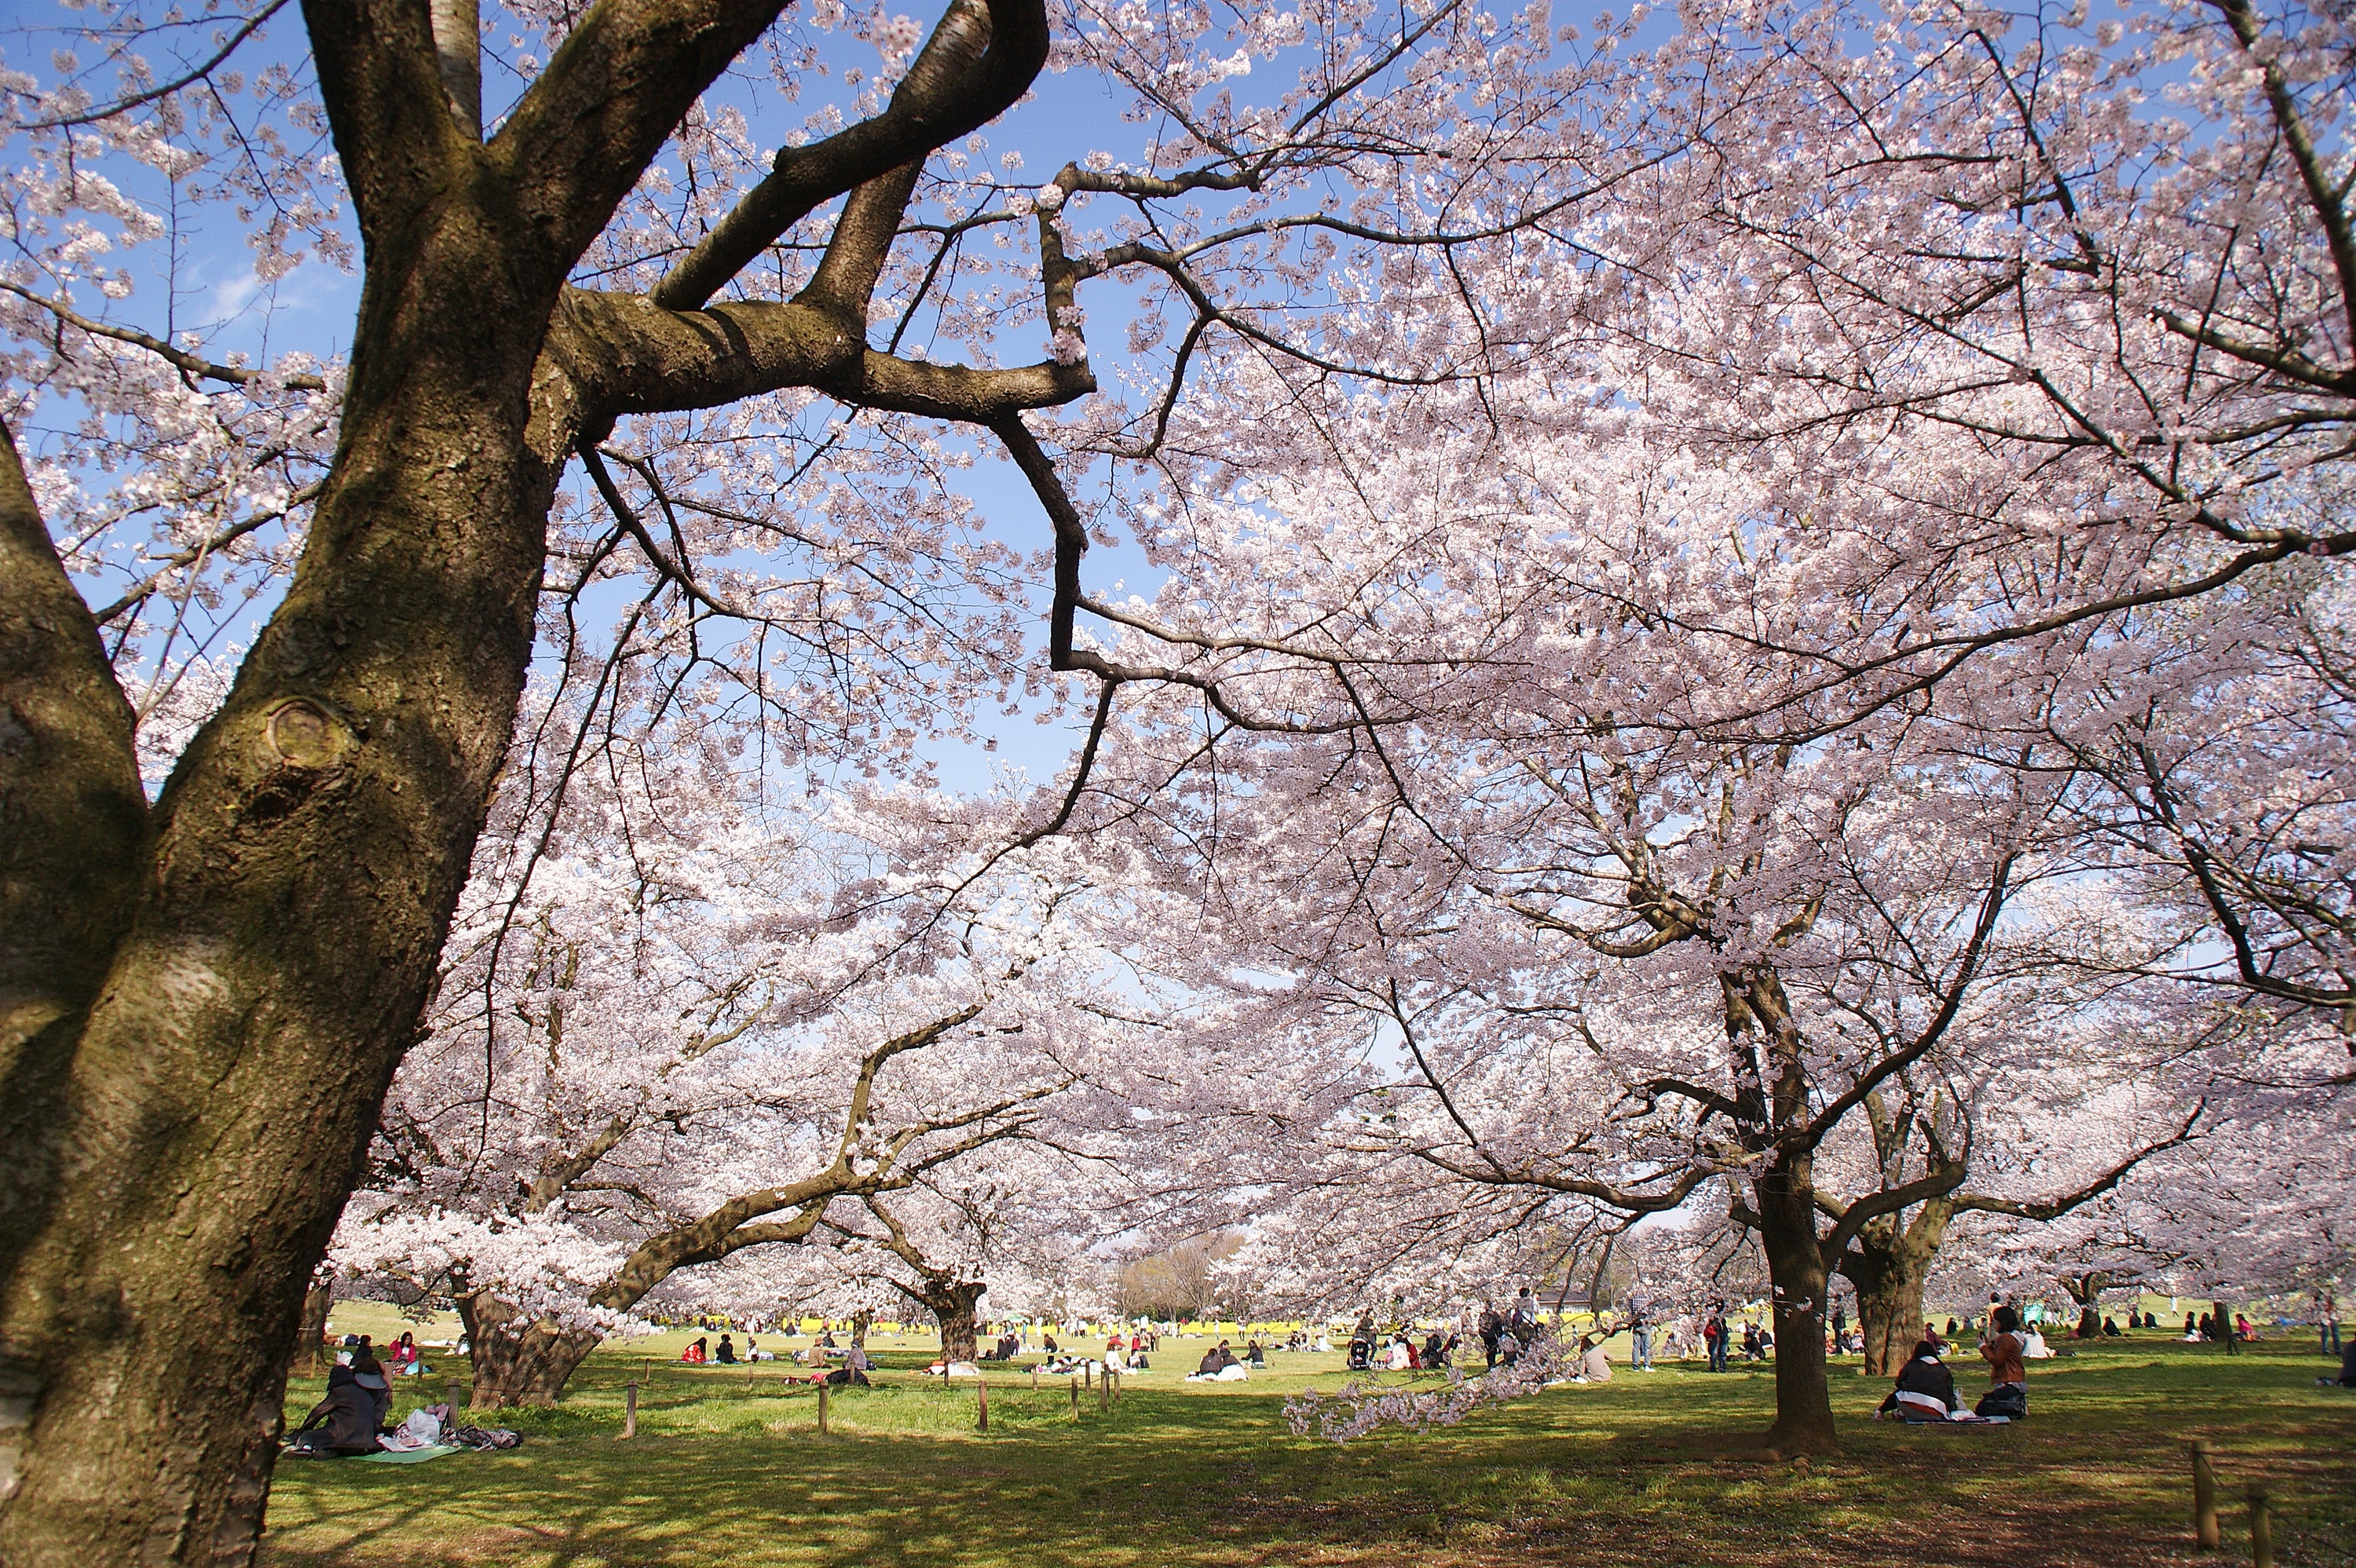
(1631, 1473)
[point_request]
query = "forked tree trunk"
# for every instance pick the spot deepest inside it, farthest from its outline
(1784, 1196)
(224, 1083)
(201, 1125)
(519, 1363)
(952, 1303)
(202, 1003)
(1890, 1264)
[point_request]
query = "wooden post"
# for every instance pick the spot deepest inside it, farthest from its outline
(450, 1394)
(1076, 1402)
(2204, 1497)
(1104, 1392)
(822, 1391)
(2262, 1529)
(630, 1408)
(1087, 1374)
(981, 1406)
(1034, 1377)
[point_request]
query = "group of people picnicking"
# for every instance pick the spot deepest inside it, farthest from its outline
(817, 1354)
(1925, 1389)
(355, 1418)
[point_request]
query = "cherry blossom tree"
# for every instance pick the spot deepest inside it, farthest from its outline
(675, 1024)
(583, 264)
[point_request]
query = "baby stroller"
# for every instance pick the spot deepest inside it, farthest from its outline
(1362, 1352)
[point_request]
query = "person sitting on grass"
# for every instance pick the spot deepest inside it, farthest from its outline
(2347, 1378)
(345, 1422)
(697, 1354)
(2110, 1328)
(852, 1371)
(1594, 1367)
(1215, 1360)
(1925, 1391)
(370, 1375)
(2007, 1393)
(727, 1353)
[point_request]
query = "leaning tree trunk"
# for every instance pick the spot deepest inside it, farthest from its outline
(205, 1108)
(518, 1363)
(1784, 1195)
(192, 1063)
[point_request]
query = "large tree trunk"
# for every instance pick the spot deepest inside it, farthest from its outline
(952, 1303)
(1890, 1285)
(200, 1128)
(518, 1363)
(1890, 1266)
(1784, 1194)
(194, 1055)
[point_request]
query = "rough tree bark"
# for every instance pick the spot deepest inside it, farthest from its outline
(951, 1302)
(1784, 1205)
(519, 1361)
(1890, 1264)
(1783, 1195)
(202, 1002)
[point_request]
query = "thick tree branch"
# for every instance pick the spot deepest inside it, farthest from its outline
(616, 89)
(981, 57)
(72, 815)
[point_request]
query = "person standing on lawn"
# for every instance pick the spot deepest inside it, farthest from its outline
(1640, 1334)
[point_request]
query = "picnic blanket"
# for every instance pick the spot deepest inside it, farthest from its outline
(412, 1455)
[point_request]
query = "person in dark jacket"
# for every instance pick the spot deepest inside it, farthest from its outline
(367, 1372)
(1925, 1391)
(2347, 1378)
(342, 1423)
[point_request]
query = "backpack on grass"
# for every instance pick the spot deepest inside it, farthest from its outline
(485, 1438)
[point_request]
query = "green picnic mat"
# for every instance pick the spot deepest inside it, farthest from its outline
(410, 1457)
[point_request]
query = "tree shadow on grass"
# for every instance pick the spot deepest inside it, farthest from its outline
(1646, 1471)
